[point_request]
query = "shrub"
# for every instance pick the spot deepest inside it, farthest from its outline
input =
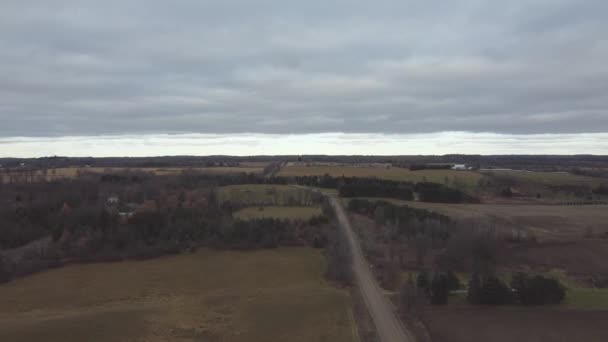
(423, 281)
(5, 272)
(453, 281)
(439, 289)
(489, 290)
(537, 290)
(495, 292)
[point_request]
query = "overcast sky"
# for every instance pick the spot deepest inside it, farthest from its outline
(82, 68)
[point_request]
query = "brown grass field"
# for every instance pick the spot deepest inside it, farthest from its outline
(287, 213)
(551, 178)
(506, 324)
(467, 178)
(269, 295)
(544, 220)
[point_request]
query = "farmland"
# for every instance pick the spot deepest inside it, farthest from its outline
(468, 179)
(270, 194)
(515, 324)
(279, 289)
(549, 178)
(268, 295)
(286, 213)
(73, 172)
(544, 220)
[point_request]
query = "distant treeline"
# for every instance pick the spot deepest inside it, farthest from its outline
(374, 187)
(526, 162)
(416, 167)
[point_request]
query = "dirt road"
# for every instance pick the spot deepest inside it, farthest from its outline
(389, 327)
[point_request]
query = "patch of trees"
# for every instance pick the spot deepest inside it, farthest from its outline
(29, 211)
(388, 213)
(601, 190)
(258, 233)
(125, 177)
(439, 193)
(537, 290)
(358, 186)
(417, 167)
(339, 258)
(46, 224)
(325, 181)
(374, 187)
(524, 289)
(191, 178)
(377, 189)
(472, 247)
(427, 287)
(488, 290)
(591, 172)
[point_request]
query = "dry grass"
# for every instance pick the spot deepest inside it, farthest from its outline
(551, 178)
(260, 164)
(270, 295)
(525, 324)
(545, 220)
(288, 213)
(467, 178)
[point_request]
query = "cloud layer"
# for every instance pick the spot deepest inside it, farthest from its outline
(147, 67)
(317, 143)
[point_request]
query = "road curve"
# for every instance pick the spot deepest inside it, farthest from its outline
(389, 327)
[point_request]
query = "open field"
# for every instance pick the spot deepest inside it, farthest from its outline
(466, 178)
(551, 178)
(72, 172)
(464, 323)
(287, 213)
(269, 295)
(587, 299)
(544, 220)
(256, 164)
(580, 258)
(270, 194)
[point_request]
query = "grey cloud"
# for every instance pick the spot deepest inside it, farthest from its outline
(130, 67)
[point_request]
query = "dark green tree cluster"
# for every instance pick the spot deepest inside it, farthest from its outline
(406, 221)
(392, 212)
(537, 290)
(258, 233)
(440, 193)
(438, 286)
(339, 258)
(371, 187)
(417, 167)
(489, 290)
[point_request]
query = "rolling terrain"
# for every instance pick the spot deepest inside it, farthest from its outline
(267, 295)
